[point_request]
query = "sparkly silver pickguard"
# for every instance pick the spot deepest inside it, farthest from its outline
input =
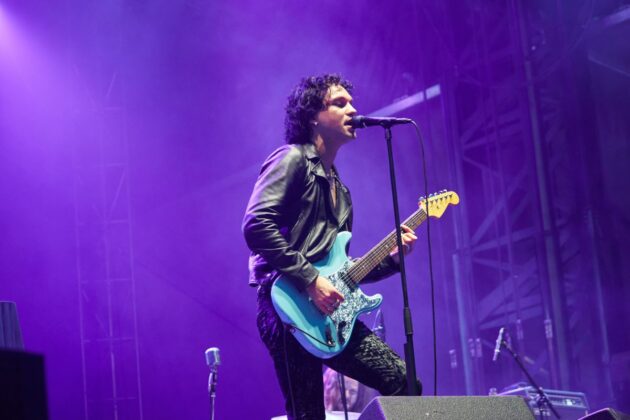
(355, 303)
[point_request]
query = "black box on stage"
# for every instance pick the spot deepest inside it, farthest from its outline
(570, 405)
(446, 408)
(22, 386)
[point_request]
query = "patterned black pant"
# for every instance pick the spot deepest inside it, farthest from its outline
(366, 359)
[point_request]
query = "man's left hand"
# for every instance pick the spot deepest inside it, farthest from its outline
(408, 239)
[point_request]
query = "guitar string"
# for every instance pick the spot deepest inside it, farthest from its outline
(362, 267)
(373, 259)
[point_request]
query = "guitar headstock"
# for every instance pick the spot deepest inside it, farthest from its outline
(438, 202)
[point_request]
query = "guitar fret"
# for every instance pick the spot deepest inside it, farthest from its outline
(364, 265)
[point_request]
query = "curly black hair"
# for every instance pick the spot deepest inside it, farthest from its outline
(304, 102)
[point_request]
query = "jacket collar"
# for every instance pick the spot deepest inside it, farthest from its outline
(311, 154)
(343, 198)
(310, 151)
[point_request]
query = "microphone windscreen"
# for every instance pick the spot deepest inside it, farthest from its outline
(356, 121)
(213, 358)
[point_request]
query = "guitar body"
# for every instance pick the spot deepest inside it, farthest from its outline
(322, 335)
(326, 336)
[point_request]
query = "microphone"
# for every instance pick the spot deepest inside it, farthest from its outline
(360, 121)
(497, 348)
(213, 358)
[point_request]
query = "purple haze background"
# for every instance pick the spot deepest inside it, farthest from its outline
(202, 85)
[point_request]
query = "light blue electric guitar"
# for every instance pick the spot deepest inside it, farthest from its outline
(326, 336)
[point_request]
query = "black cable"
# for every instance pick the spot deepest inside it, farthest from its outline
(286, 365)
(430, 254)
(294, 327)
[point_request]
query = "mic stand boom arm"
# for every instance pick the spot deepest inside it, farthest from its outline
(410, 361)
(542, 399)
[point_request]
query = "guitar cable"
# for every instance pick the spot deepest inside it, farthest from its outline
(294, 327)
(430, 254)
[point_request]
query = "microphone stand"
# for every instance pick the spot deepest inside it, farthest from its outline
(341, 379)
(410, 361)
(541, 400)
(212, 388)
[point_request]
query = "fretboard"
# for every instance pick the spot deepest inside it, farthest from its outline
(365, 264)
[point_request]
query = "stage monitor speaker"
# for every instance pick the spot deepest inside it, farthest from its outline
(22, 386)
(446, 408)
(606, 414)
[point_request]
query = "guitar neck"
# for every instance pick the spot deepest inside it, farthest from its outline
(369, 261)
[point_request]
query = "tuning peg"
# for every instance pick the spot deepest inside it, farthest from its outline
(422, 198)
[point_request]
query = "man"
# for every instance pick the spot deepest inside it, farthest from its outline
(298, 206)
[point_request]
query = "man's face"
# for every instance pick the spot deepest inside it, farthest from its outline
(352, 391)
(338, 110)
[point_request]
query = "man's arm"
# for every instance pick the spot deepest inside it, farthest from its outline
(279, 182)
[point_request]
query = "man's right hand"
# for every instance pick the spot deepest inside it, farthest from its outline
(324, 295)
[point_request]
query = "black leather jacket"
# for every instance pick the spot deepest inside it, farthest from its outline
(291, 221)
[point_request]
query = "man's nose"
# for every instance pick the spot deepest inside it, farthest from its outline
(351, 110)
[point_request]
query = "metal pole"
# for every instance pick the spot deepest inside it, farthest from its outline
(412, 380)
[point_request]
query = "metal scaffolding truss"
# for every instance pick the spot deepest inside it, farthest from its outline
(500, 275)
(106, 285)
(526, 255)
(557, 70)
